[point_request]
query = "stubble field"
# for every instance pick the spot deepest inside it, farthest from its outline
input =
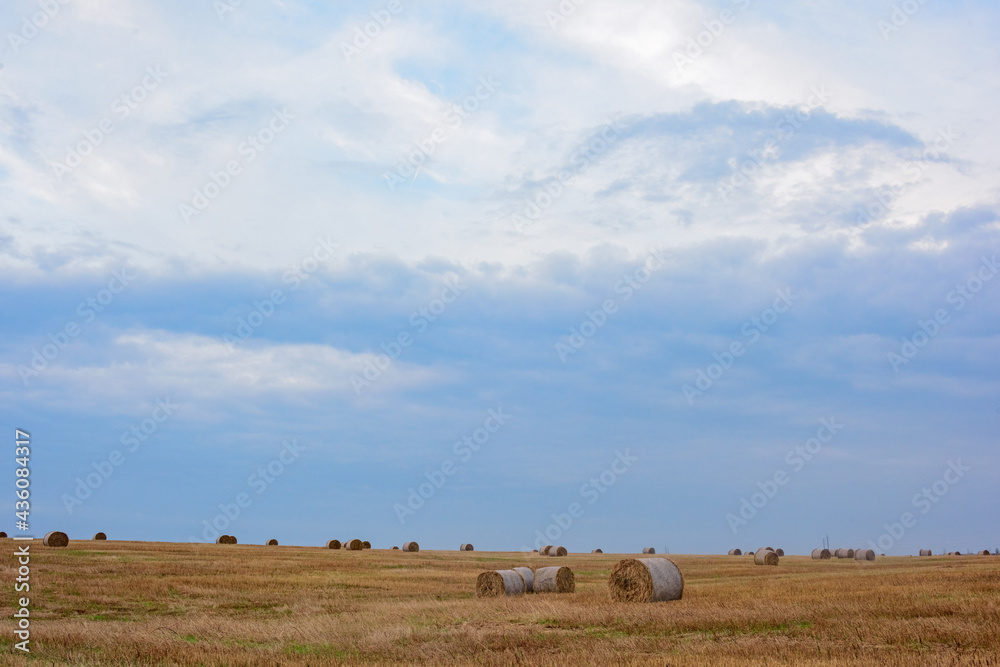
(142, 603)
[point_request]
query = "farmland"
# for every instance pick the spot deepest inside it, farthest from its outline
(131, 603)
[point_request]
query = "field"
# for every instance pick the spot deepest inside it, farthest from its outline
(137, 603)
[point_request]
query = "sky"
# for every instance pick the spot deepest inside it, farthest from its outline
(689, 275)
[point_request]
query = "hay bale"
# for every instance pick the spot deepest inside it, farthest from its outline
(649, 550)
(780, 552)
(597, 551)
(412, 547)
(232, 539)
(864, 554)
(984, 552)
(529, 578)
(366, 545)
(558, 551)
(222, 539)
(2, 534)
(555, 579)
(820, 554)
(844, 553)
(353, 545)
(272, 543)
(466, 547)
(333, 544)
(955, 553)
(395, 548)
(735, 552)
(100, 536)
(926, 552)
(499, 582)
(769, 548)
(544, 551)
(55, 539)
(645, 580)
(765, 556)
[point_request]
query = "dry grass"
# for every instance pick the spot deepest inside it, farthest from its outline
(130, 603)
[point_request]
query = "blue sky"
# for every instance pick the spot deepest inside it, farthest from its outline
(490, 273)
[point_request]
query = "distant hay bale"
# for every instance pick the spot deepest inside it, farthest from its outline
(353, 545)
(544, 551)
(466, 547)
(645, 580)
(222, 539)
(597, 551)
(272, 543)
(55, 539)
(396, 548)
(366, 545)
(955, 553)
(864, 554)
(2, 534)
(820, 554)
(780, 552)
(499, 582)
(735, 552)
(649, 550)
(529, 578)
(97, 536)
(232, 539)
(926, 552)
(555, 579)
(558, 551)
(412, 547)
(769, 548)
(333, 544)
(765, 556)
(844, 553)
(984, 552)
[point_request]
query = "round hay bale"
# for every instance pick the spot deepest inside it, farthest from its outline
(649, 550)
(926, 552)
(3, 534)
(55, 539)
(748, 552)
(844, 553)
(353, 545)
(395, 548)
(222, 539)
(529, 578)
(820, 554)
(558, 551)
(97, 536)
(984, 552)
(765, 557)
(412, 547)
(272, 543)
(769, 548)
(544, 551)
(366, 545)
(499, 582)
(466, 547)
(232, 539)
(333, 544)
(597, 551)
(735, 552)
(645, 580)
(955, 553)
(864, 554)
(555, 579)
(780, 552)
